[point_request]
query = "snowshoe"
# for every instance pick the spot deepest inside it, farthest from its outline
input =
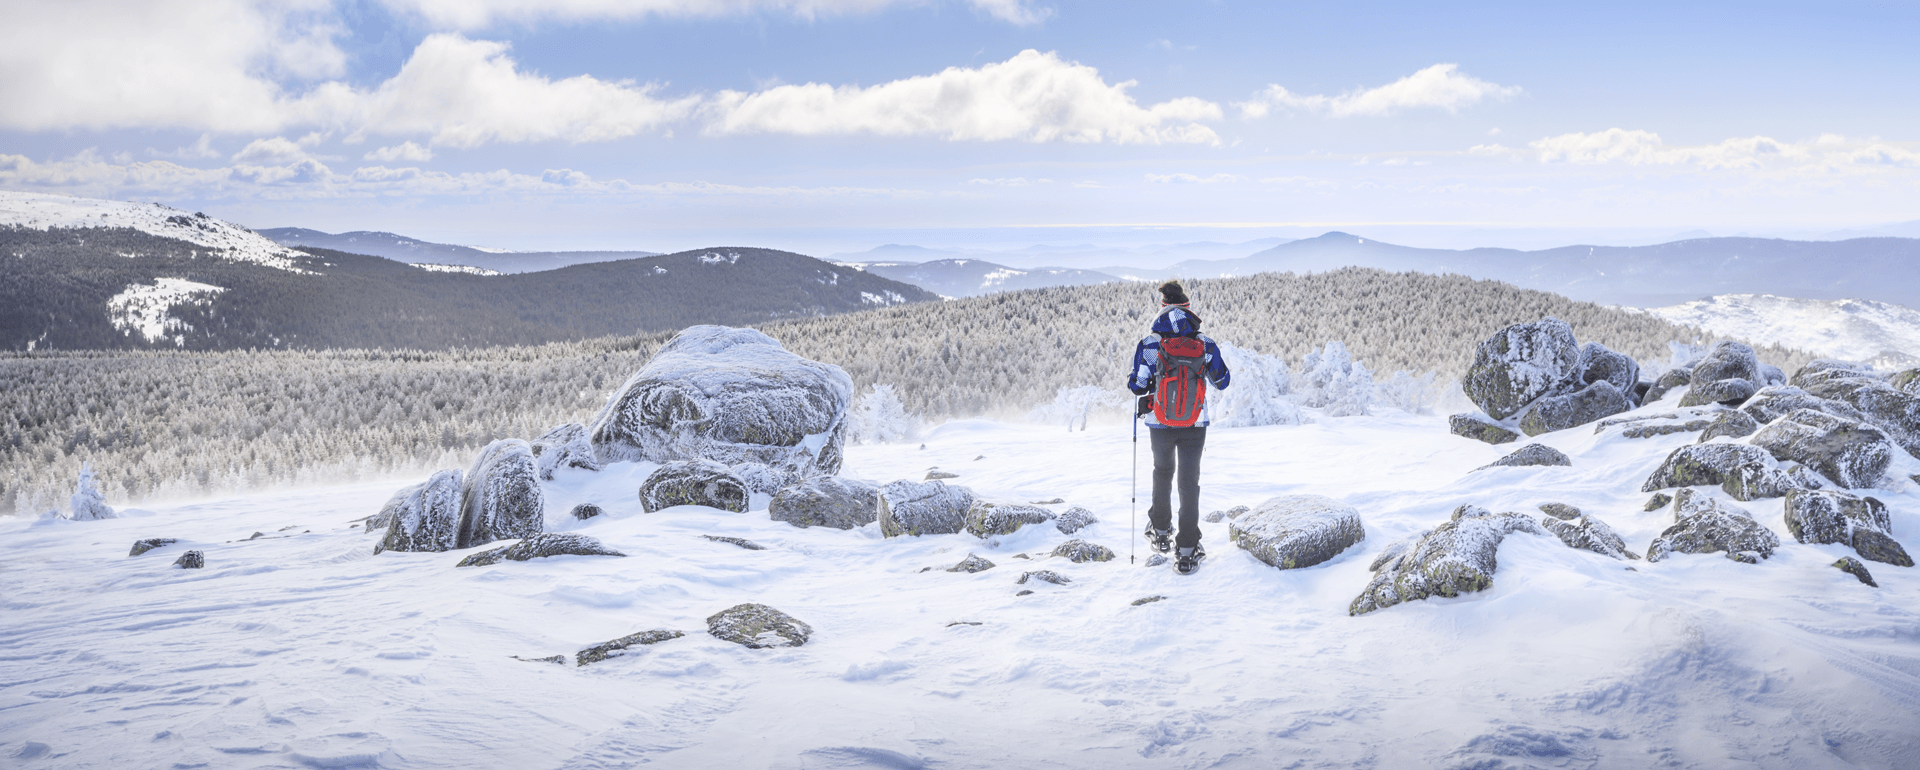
(1186, 563)
(1159, 540)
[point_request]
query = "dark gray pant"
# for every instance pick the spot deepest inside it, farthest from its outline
(1183, 444)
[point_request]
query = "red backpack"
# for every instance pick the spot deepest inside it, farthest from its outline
(1180, 381)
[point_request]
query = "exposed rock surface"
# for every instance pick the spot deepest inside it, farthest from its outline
(1073, 520)
(923, 508)
(1530, 455)
(502, 499)
(1704, 464)
(758, 626)
(1045, 575)
(1297, 531)
(738, 542)
(693, 482)
(564, 446)
(541, 546)
(143, 546)
(425, 516)
(1657, 501)
(1727, 360)
(1471, 426)
(1601, 399)
(1521, 363)
(1774, 402)
(971, 564)
(1708, 526)
(1598, 363)
(1860, 523)
(1732, 423)
(1081, 551)
(191, 560)
(1562, 511)
(986, 519)
(937, 474)
(618, 647)
(731, 396)
(1853, 567)
(1453, 558)
(586, 511)
(1729, 392)
(1891, 409)
(827, 501)
(1669, 380)
(1753, 482)
(1148, 600)
(1588, 534)
(1848, 453)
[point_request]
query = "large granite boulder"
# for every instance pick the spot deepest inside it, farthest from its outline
(1522, 363)
(731, 396)
(1731, 423)
(1601, 399)
(502, 499)
(563, 446)
(425, 516)
(541, 546)
(1588, 534)
(919, 508)
(1073, 520)
(1597, 363)
(827, 501)
(693, 482)
(1669, 381)
(1860, 523)
(1889, 408)
(1454, 558)
(1296, 531)
(758, 626)
(1704, 465)
(1728, 360)
(1473, 426)
(986, 519)
(1707, 525)
(1848, 453)
(1747, 483)
(1729, 392)
(1530, 455)
(1773, 402)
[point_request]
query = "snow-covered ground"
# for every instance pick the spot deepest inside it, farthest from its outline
(40, 211)
(302, 648)
(1850, 329)
(149, 309)
(467, 269)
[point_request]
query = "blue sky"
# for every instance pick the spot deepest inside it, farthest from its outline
(842, 124)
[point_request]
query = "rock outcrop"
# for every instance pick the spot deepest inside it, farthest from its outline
(1853, 567)
(971, 564)
(1073, 520)
(502, 499)
(540, 546)
(827, 501)
(1081, 551)
(731, 396)
(693, 482)
(1727, 392)
(1850, 454)
(1473, 427)
(1297, 531)
(563, 446)
(1706, 525)
(1892, 409)
(1745, 472)
(758, 626)
(986, 519)
(143, 546)
(1597, 364)
(1860, 523)
(1669, 380)
(1731, 423)
(1454, 558)
(1588, 534)
(1522, 363)
(425, 516)
(919, 508)
(191, 560)
(1727, 360)
(1772, 403)
(1529, 456)
(619, 647)
(1590, 404)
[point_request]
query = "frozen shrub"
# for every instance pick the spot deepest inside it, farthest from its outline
(879, 418)
(1411, 394)
(1258, 394)
(88, 502)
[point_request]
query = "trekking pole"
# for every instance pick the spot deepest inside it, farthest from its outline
(1133, 514)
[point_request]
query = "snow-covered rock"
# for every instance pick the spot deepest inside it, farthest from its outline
(191, 560)
(564, 446)
(1771, 402)
(143, 546)
(502, 499)
(827, 501)
(1521, 363)
(1731, 423)
(1530, 455)
(1728, 360)
(971, 564)
(1045, 576)
(1454, 558)
(1703, 465)
(620, 646)
(1081, 551)
(731, 396)
(88, 503)
(1073, 520)
(1846, 328)
(586, 511)
(540, 546)
(1587, 534)
(1598, 363)
(758, 626)
(1731, 392)
(1297, 531)
(985, 519)
(1853, 567)
(1589, 404)
(1890, 409)
(693, 482)
(1669, 380)
(425, 516)
(1707, 525)
(1860, 523)
(1850, 454)
(737, 542)
(1473, 426)
(923, 508)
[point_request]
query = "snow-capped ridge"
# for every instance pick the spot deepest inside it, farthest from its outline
(40, 211)
(1883, 333)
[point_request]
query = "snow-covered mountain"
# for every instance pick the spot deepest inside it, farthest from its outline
(974, 277)
(417, 252)
(39, 211)
(1851, 329)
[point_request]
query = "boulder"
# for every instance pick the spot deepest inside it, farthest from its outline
(1752, 482)
(502, 498)
(1727, 360)
(1044, 575)
(1848, 453)
(1657, 501)
(1891, 409)
(191, 560)
(1597, 363)
(919, 508)
(1729, 392)
(1081, 551)
(1562, 511)
(1588, 534)
(758, 626)
(563, 446)
(1601, 399)
(827, 501)
(1772, 403)
(586, 511)
(986, 519)
(1669, 380)
(938, 475)
(151, 543)
(1473, 427)
(1708, 526)
(1732, 423)
(1770, 375)
(1530, 455)
(425, 516)
(1664, 429)
(731, 396)
(971, 564)
(1703, 465)
(737, 542)
(1860, 523)
(1522, 363)
(1453, 558)
(618, 647)
(541, 546)
(1297, 531)
(693, 482)
(1073, 520)
(1853, 567)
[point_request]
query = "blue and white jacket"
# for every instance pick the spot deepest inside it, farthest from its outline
(1175, 321)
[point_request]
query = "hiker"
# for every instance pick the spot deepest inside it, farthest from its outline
(1171, 369)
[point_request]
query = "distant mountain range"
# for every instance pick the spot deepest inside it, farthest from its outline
(974, 277)
(1081, 256)
(413, 251)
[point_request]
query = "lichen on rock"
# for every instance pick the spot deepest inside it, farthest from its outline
(758, 626)
(1588, 534)
(1297, 531)
(1560, 412)
(1474, 427)
(1850, 454)
(1081, 551)
(1853, 567)
(1706, 525)
(1521, 363)
(1731, 423)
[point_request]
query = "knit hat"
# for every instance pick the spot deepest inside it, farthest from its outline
(1172, 293)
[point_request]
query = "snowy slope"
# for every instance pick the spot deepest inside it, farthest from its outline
(302, 648)
(39, 211)
(1852, 329)
(148, 309)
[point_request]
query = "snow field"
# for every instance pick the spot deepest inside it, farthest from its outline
(303, 649)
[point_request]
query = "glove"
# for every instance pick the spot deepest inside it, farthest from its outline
(1143, 405)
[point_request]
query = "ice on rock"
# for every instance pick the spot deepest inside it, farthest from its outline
(1479, 428)
(1731, 392)
(1521, 363)
(923, 508)
(1587, 534)
(564, 446)
(1848, 453)
(1732, 423)
(1728, 360)
(425, 516)
(88, 503)
(731, 396)
(1773, 402)
(1707, 525)
(1598, 363)
(1081, 551)
(693, 482)
(621, 646)
(1530, 455)
(1891, 409)
(1560, 412)
(1073, 520)
(971, 564)
(1454, 558)
(502, 499)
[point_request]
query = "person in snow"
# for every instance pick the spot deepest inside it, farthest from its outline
(1169, 367)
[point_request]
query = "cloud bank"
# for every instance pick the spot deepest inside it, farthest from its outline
(1441, 86)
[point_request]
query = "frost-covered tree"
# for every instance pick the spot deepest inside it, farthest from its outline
(1331, 380)
(1411, 394)
(1353, 394)
(88, 502)
(879, 418)
(1259, 394)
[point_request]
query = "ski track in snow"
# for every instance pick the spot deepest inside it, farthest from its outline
(302, 648)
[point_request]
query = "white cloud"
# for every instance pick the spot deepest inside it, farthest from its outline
(1441, 86)
(1645, 148)
(1193, 179)
(277, 150)
(1034, 97)
(404, 151)
(1018, 181)
(478, 14)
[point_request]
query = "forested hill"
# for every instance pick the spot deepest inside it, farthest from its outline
(122, 288)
